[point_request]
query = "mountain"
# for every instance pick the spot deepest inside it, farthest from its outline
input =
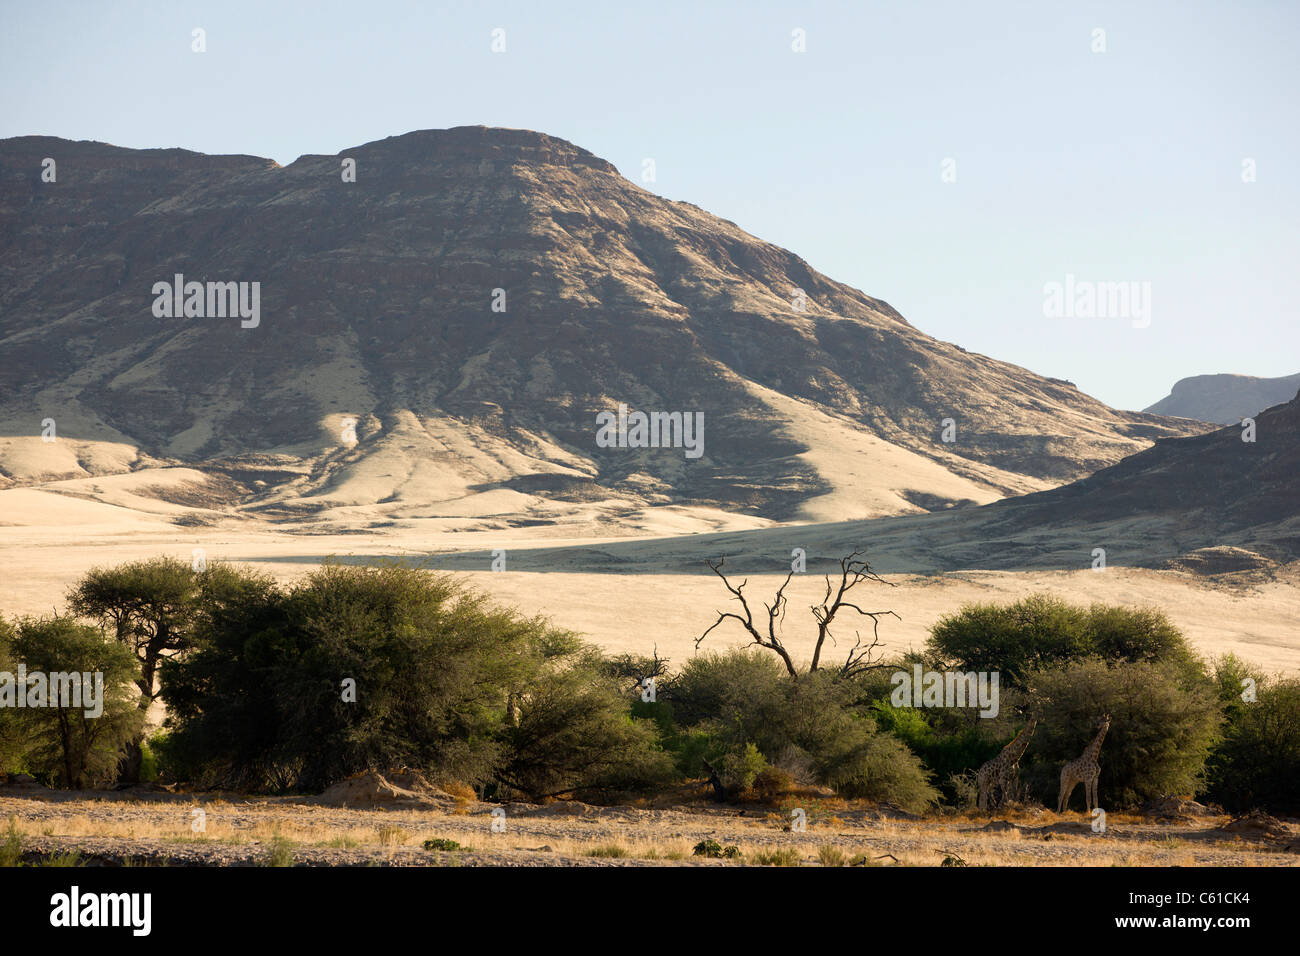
(472, 302)
(1216, 492)
(1207, 503)
(1225, 399)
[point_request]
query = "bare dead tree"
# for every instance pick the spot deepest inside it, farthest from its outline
(853, 571)
(636, 670)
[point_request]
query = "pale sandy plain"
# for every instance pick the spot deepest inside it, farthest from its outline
(647, 589)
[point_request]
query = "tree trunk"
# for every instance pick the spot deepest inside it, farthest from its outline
(719, 791)
(128, 768)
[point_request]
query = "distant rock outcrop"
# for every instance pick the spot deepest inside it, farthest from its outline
(1225, 399)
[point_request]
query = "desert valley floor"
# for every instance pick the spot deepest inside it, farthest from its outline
(638, 593)
(393, 825)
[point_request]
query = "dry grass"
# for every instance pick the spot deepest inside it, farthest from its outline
(832, 838)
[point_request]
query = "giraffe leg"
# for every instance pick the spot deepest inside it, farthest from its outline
(1067, 787)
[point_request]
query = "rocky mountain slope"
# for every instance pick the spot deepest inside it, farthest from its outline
(1225, 399)
(1208, 504)
(437, 338)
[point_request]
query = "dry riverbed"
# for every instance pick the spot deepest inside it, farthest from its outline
(149, 828)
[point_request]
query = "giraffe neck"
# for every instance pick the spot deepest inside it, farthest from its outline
(1094, 748)
(1016, 749)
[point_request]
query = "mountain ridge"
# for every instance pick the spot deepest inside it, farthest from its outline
(1225, 399)
(377, 303)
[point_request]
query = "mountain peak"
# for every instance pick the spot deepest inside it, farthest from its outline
(492, 143)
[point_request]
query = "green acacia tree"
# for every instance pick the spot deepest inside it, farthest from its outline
(1257, 764)
(1163, 728)
(11, 738)
(358, 668)
(1044, 631)
(154, 608)
(63, 743)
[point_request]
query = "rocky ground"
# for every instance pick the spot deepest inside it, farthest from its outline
(387, 825)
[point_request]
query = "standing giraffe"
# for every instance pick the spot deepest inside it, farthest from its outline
(1084, 771)
(997, 777)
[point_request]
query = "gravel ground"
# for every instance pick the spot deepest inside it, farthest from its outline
(156, 828)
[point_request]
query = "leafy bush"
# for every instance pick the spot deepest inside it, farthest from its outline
(375, 667)
(879, 767)
(950, 741)
(1043, 631)
(443, 845)
(574, 732)
(740, 767)
(736, 700)
(260, 702)
(964, 789)
(1162, 729)
(715, 850)
(772, 783)
(1257, 765)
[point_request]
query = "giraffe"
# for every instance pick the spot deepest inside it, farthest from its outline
(1084, 771)
(995, 778)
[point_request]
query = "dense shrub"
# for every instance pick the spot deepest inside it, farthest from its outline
(575, 733)
(362, 668)
(355, 668)
(1043, 631)
(1258, 762)
(950, 741)
(740, 767)
(1163, 726)
(734, 701)
(772, 783)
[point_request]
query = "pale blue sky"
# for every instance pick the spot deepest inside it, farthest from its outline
(1116, 166)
